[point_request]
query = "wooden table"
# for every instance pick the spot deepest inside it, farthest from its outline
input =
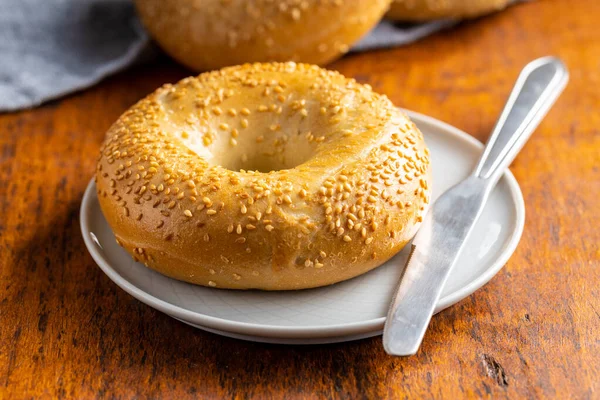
(67, 331)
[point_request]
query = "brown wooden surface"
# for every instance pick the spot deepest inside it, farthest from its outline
(66, 330)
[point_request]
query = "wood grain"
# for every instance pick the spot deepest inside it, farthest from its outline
(67, 331)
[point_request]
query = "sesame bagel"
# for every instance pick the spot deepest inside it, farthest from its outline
(424, 10)
(210, 34)
(268, 176)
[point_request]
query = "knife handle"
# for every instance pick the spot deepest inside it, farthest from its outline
(537, 88)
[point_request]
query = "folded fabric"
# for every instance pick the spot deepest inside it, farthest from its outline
(50, 48)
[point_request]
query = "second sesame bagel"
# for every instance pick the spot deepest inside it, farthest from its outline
(210, 34)
(268, 176)
(424, 10)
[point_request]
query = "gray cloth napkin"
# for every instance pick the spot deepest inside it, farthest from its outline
(50, 48)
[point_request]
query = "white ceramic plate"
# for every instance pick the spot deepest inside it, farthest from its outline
(345, 311)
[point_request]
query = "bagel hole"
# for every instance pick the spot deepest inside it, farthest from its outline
(266, 142)
(275, 153)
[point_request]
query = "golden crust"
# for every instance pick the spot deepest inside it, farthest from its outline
(424, 10)
(210, 34)
(345, 178)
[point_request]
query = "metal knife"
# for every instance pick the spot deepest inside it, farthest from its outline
(446, 227)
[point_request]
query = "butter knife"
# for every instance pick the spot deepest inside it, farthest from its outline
(446, 227)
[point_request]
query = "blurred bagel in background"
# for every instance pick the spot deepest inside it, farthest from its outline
(425, 10)
(210, 34)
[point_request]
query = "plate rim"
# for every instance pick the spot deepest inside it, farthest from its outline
(316, 340)
(311, 331)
